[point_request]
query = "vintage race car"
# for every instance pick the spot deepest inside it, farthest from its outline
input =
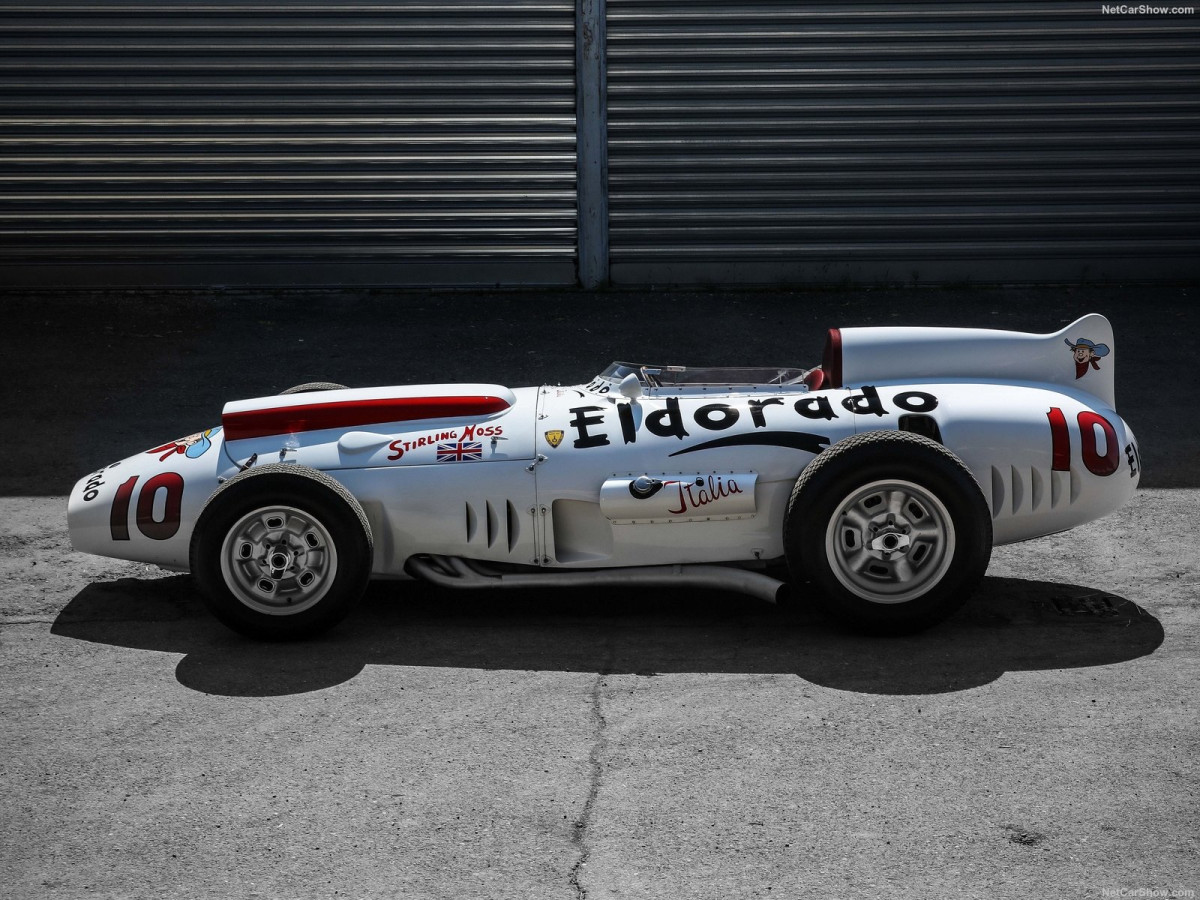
(880, 479)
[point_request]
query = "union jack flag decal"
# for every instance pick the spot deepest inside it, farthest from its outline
(457, 452)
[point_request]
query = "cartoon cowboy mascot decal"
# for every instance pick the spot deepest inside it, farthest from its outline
(1086, 352)
(193, 446)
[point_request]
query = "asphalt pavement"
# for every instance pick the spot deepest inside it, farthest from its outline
(576, 744)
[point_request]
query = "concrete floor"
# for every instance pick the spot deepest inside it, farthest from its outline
(573, 744)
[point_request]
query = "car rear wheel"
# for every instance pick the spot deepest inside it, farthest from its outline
(310, 386)
(281, 552)
(891, 528)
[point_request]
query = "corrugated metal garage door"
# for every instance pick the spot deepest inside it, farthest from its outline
(287, 142)
(784, 141)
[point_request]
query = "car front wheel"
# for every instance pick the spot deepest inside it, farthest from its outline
(281, 552)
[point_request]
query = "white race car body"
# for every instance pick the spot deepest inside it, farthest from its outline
(649, 466)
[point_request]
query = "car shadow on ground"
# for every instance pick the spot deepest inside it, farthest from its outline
(1010, 625)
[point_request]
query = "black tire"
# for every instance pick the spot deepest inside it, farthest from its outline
(310, 386)
(281, 552)
(888, 575)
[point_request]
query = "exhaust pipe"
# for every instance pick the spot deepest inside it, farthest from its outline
(455, 572)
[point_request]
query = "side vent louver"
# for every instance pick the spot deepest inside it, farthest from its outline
(493, 524)
(501, 526)
(472, 523)
(1038, 485)
(1020, 490)
(999, 493)
(514, 526)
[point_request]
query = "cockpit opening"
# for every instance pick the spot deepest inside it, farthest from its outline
(653, 376)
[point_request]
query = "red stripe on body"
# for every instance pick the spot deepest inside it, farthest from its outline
(258, 423)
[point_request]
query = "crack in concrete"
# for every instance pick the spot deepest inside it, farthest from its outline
(582, 826)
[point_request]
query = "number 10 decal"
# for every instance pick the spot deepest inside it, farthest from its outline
(1088, 423)
(155, 529)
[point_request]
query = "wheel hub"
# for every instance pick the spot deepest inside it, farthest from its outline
(278, 560)
(890, 541)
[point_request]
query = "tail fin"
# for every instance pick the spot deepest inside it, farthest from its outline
(1093, 355)
(1081, 356)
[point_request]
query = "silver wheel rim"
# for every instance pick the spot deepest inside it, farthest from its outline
(890, 541)
(278, 560)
